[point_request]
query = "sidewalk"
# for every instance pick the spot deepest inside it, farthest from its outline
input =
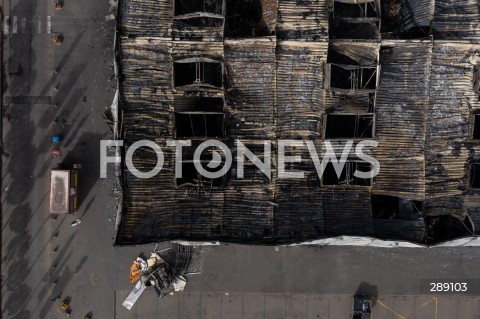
(290, 306)
(56, 90)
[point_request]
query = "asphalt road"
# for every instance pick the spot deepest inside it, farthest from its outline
(63, 90)
(55, 90)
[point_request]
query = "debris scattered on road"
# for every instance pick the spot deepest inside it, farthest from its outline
(165, 272)
(76, 222)
(110, 17)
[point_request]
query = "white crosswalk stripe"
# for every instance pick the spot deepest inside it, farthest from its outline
(23, 25)
(6, 24)
(49, 24)
(14, 25)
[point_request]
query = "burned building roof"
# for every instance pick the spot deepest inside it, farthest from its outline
(403, 73)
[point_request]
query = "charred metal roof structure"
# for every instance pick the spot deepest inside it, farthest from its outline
(404, 73)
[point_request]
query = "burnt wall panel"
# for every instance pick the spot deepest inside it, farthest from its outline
(452, 100)
(144, 18)
(400, 120)
(347, 212)
(300, 95)
(400, 229)
(248, 213)
(250, 93)
(306, 20)
(456, 19)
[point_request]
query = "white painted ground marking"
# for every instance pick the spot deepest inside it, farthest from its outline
(49, 24)
(6, 24)
(39, 25)
(14, 25)
(24, 25)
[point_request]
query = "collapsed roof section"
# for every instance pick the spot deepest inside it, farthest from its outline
(278, 69)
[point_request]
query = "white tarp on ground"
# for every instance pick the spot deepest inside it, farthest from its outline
(195, 243)
(372, 242)
(134, 295)
(360, 241)
(179, 284)
(354, 1)
(468, 242)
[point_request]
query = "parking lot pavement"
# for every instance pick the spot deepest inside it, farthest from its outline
(238, 281)
(290, 306)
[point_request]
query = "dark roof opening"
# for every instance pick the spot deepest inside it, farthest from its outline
(442, 228)
(199, 125)
(198, 72)
(244, 19)
(391, 15)
(349, 126)
(354, 11)
(475, 175)
(351, 79)
(391, 207)
(183, 7)
(190, 176)
(198, 104)
(355, 20)
(476, 78)
(476, 126)
(201, 22)
(347, 177)
(403, 19)
(336, 57)
(416, 32)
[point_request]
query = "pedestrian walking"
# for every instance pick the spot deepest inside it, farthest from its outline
(76, 222)
(58, 5)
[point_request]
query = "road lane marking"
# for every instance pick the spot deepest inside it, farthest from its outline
(21, 24)
(49, 24)
(24, 25)
(6, 24)
(28, 100)
(14, 25)
(391, 310)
